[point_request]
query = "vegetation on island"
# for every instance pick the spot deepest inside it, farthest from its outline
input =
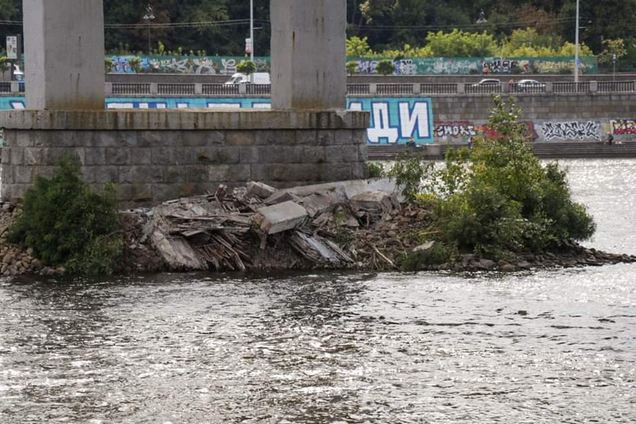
(68, 225)
(495, 200)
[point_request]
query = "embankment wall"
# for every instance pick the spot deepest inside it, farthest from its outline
(155, 155)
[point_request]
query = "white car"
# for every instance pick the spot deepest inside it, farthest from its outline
(530, 85)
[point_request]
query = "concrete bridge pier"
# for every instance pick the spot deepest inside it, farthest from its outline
(308, 54)
(157, 155)
(64, 52)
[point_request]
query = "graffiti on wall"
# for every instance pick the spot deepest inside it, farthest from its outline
(623, 126)
(455, 129)
(468, 66)
(462, 131)
(216, 65)
(209, 65)
(571, 130)
(529, 135)
(393, 120)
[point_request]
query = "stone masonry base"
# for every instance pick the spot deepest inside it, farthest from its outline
(155, 156)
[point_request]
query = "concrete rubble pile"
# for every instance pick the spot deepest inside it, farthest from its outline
(259, 228)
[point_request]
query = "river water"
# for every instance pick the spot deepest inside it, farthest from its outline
(553, 346)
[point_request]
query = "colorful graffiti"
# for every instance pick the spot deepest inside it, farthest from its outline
(393, 120)
(455, 129)
(623, 126)
(196, 65)
(216, 65)
(491, 65)
(571, 130)
(530, 134)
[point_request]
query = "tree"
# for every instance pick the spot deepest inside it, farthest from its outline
(385, 67)
(352, 67)
(358, 47)
(109, 64)
(135, 64)
(613, 51)
(461, 44)
(5, 64)
(246, 67)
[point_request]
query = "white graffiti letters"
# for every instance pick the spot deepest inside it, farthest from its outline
(571, 130)
(381, 129)
(419, 116)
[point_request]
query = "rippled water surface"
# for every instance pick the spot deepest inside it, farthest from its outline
(546, 347)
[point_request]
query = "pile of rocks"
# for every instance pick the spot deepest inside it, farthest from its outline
(331, 226)
(13, 259)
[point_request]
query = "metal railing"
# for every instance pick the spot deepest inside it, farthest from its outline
(438, 89)
(359, 89)
(483, 88)
(528, 88)
(220, 90)
(404, 89)
(571, 87)
(258, 89)
(176, 89)
(394, 89)
(131, 89)
(616, 86)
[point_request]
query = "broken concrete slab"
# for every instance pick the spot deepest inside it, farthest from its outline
(260, 190)
(374, 201)
(351, 188)
(327, 201)
(177, 253)
(280, 197)
(281, 217)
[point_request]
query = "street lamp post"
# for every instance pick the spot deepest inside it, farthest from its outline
(576, 45)
(149, 17)
(482, 20)
(252, 36)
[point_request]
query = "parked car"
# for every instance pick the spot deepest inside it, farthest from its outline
(258, 77)
(487, 81)
(530, 85)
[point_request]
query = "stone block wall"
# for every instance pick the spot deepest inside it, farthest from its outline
(157, 156)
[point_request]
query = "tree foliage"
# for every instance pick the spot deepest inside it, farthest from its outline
(377, 25)
(246, 67)
(498, 200)
(386, 67)
(67, 224)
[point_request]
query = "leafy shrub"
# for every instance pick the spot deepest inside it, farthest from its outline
(246, 67)
(352, 67)
(385, 67)
(376, 170)
(67, 224)
(409, 171)
(498, 198)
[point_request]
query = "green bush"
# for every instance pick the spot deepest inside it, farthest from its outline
(385, 67)
(246, 67)
(376, 170)
(409, 171)
(496, 199)
(67, 224)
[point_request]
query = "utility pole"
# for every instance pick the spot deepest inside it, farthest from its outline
(149, 17)
(252, 36)
(576, 47)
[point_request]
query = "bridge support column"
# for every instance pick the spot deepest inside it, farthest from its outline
(64, 49)
(308, 54)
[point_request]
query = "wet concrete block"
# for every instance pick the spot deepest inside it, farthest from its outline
(281, 217)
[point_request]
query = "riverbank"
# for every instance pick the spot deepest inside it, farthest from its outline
(360, 225)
